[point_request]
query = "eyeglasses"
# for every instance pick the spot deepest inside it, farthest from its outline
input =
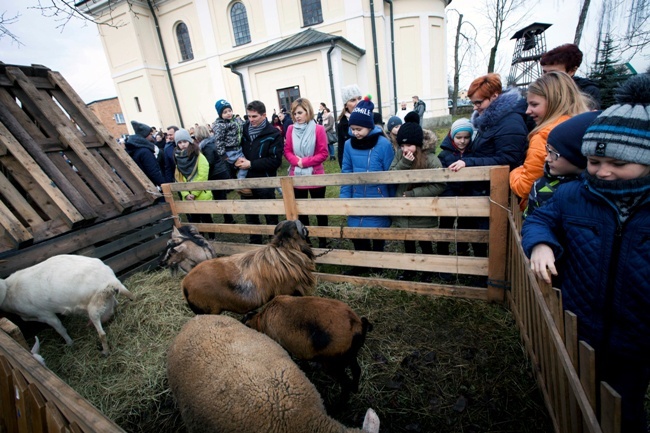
(478, 103)
(554, 155)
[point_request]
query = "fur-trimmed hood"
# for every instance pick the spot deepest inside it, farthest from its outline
(430, 141)
(505, 104)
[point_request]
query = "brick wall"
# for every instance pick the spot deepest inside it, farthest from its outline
(105, 110)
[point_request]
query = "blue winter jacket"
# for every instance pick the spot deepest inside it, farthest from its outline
(142, 152)
(361, 157)
(605, 270)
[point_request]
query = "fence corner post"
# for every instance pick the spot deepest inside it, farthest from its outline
(498, 241)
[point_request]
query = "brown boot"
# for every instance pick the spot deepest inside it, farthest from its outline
(245, 192)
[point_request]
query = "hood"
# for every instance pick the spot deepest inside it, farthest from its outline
(430, 141)
(506, 103)
(135, 141)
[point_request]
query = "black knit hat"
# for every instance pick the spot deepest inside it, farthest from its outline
(411, 131)
(566, 138)
(621, 131)
(141, 129)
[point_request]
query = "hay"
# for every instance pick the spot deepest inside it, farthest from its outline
(430, 364)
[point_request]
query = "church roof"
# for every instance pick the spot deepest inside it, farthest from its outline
(305, 39)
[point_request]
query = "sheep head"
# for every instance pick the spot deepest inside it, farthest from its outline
(292, 234)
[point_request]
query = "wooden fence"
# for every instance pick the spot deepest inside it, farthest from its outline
(493, 207)
(564, 366)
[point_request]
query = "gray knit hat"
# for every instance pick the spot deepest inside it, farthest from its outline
(141, 129)
(349, 92)
(393, 122)
(623, 130)
(182, 135)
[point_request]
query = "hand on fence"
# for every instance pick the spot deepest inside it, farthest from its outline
(457, 165)
(542, 262)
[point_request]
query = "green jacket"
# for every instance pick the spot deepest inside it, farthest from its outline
(201, 176)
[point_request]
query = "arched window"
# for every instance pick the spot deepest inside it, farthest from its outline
(240, 24)
(184, 43)
(312, 12)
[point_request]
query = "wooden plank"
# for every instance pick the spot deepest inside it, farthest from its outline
(289, 198)
(610, 409)
(18, 202)
(149, 265)
(36, 415)
(75, 209)
(427, 206)
(100, 130)
(13, 331)
(7, 402)
(143, 195)
(498, 232)
(137, 254)
(75, 178)
(95, 187)
(17, 112)
(54, 419)
(388, 177)
(75, 408)
(19, 391)
(131, 239)
(571, 337)
(171, 202)
(385, 260)
(14, 229)
(466, 292)
(588, 372)
(74, 241)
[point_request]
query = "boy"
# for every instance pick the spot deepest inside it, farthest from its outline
(564, 160)
(600, 229)
(227, 132)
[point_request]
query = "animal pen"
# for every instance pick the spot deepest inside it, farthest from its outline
(98, 203)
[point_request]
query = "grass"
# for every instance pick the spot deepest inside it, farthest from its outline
(429, 364)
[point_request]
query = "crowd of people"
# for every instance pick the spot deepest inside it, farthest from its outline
(581, 175)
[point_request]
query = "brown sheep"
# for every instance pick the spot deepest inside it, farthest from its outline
(316, 329)
(246, 281)
(228, 378)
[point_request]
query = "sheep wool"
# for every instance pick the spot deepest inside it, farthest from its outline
(228, 378)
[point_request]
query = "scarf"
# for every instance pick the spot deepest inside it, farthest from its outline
(304, 144)
(254, 131)
(186, 165)
(625, 194)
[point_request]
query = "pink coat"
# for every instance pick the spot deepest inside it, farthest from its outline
(320, 155)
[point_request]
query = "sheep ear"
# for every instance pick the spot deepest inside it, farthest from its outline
(175, 233)
(371, 422)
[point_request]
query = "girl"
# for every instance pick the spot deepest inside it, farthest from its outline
(306, 149)
(416, 153)
(552, 99)
(456, 146)
(351, 95)
(330, 129)
(191, 166)
(367, 150)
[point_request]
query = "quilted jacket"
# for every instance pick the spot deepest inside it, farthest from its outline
(362, 159)
(605, 265)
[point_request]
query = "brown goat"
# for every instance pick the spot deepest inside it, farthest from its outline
(316, 329)
(246, 281)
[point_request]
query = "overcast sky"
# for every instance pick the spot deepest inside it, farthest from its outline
(76, 52)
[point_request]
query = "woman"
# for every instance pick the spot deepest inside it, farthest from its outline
(351, 95)
(500, 138)
(218, 168)
(191, 166)
(330, 125)
(305, 148)
(552, 98)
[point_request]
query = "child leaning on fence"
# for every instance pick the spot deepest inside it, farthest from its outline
(564, 159)
(600, 229)
(417, 151)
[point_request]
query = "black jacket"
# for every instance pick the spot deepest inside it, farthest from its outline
(264, 153)
(590, 88)
(142, 152)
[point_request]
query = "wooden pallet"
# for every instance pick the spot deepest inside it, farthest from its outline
(59, 167)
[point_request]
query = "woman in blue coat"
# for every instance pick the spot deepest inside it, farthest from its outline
(367, 150)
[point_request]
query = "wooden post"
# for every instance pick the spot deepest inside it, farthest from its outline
(290, 208)
(169, 198)
(498, 232)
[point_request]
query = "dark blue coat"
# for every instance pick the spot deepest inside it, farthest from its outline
(142, 152)
(170, 162)
(605, 265)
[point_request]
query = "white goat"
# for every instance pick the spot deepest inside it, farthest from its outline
(63, 284)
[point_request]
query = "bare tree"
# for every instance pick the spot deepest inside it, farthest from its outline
(4, 30)
(498, 12)
(584, 10)
(463, 47)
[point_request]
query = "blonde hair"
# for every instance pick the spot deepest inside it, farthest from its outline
(562, 97)
(305, 105)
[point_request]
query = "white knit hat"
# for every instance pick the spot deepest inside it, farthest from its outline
(350, 92)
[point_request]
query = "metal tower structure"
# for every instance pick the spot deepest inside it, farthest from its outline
(531, 44)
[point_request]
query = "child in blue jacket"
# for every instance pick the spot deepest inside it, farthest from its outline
(600, 230)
